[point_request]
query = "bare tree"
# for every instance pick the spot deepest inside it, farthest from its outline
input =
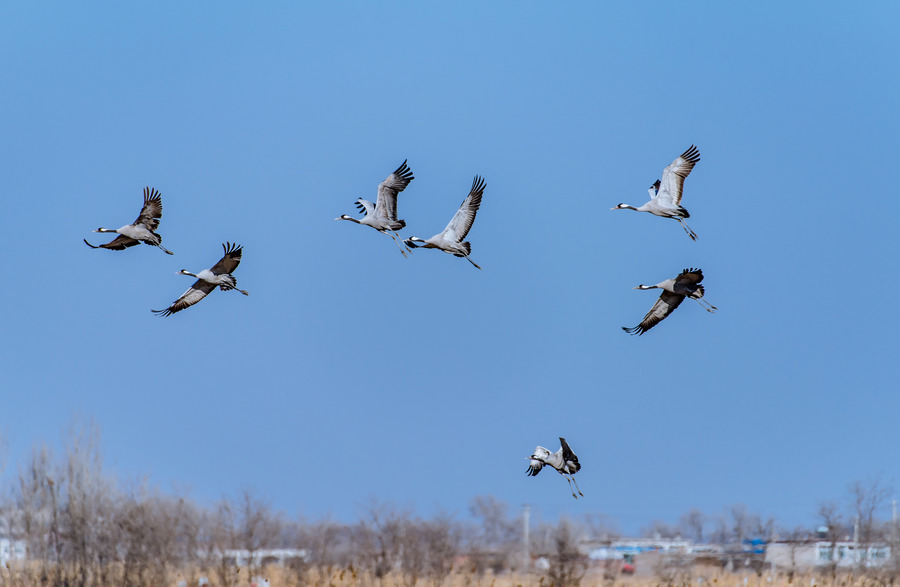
(184, 519)
(156, 536)
(866, 499)
(719, 534)
(441, 539)
(413, 557)
(691, 525)
(600, 527)
(567, 565)
(220, 536)
(831, 519)
(34, 518)
(258, 527)
(328, 544)
(740, 522)
(249, 524)
(378, 538)
(795, 539)
(496, 526)
(659, 529)
(87, 504)
(497, 540)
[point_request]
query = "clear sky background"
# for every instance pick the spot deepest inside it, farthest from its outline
(351, 372)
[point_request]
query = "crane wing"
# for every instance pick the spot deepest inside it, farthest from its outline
(461, 222)
(664, 306)
(386, 204)
(230, 261)
(536, 462)
(198, 291)
(365, 206)
(120, 243)
(674, 174)
(534, 467)
(569, 457)
(688, 282)
(152, 210)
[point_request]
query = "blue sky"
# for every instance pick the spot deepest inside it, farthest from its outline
(351, 372)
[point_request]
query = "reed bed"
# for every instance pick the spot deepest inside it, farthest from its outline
(119, 575)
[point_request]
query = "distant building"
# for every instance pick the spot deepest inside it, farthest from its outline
(642, 556)
(11, 550)
(617, 549)
(804, 556)
(265, 556)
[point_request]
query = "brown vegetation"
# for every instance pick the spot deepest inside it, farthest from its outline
(82, 528)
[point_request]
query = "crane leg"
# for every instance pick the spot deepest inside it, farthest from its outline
(576, 487)
(163, 248)
(687, 229)
(232, 285)
(472, 262)
(396, 238)
(706, 305)
(570, 486)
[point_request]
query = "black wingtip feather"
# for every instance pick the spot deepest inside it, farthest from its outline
(232, 249)
(151, 194)
(404, 172)
(692, 155)
(696, 270)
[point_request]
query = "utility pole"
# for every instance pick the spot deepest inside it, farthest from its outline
(893, 527)
(526, 514)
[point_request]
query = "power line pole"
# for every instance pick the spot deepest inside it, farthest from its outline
(893, 526)
(526, 514)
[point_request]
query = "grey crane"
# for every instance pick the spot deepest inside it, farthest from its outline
(451, 239)
(382, 215)
(141, 230)
(563, 460)
(207, 280)
(665, 194)
(686, 285)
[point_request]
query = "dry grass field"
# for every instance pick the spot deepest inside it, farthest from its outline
(274, 576)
